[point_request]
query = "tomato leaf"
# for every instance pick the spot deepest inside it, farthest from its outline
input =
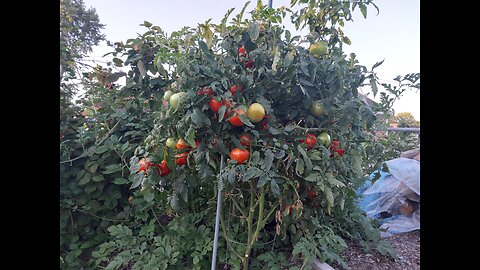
(190, 136)
(174, 202)
(307, 160)
(90, 188)
(268, 161)
(137, 180)
(203, 46)
(274, 131)
(142, 68)
(253, 30)
(85, 179)
(221, 113)
(363, 9)
(377, 64)
(299, 167)
(313, 177)
(262, 181)
(329, 197)
(120, 181)
(374, 86)
(279, 154)
(101, 149)
(148, 196)
(250, 174)
(197, 117)
(245, 120)
(333, 181)
(275, 188)
(222, 148)
(289, 128)
(265, 103)
(98, 178)
(236, 142)
(255, 158)
(146, 24)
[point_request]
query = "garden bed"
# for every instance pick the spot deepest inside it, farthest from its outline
(407, 246)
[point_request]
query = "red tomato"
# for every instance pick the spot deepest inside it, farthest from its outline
(249, 64)
(144, 164)
(311, 140)
(227, 103)
(181, 159)
(235, 120)
(263, 125)
(234, 89)
(312, 194)
(162, 168)
(241, 49)
(214, 105)
(335, 144)
(181, 143)
(245, 140)
(339, 151)
(207, 91)
(239, 155)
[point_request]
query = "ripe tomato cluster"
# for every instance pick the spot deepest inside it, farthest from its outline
(243, 56)
(162, 168)
(181, 158)
(335, 148)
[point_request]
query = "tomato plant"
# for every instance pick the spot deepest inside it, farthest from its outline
(287, 93)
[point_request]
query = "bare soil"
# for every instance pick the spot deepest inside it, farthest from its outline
(407, 246)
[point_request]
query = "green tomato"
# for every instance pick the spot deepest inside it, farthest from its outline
(176, 99)
(167, 95)
(318, 48)
(171, 143)
(324, 137)
(317, 108)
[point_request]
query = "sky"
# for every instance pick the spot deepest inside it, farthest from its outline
(393, 35)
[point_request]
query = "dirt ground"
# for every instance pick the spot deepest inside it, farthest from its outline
(407, 246)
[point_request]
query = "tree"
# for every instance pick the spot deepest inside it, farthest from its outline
(405, 119)
(79, 32)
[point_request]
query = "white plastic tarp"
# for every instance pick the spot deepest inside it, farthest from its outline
(392, 191)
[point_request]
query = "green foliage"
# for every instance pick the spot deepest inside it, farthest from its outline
(114, 216)
(183, 243)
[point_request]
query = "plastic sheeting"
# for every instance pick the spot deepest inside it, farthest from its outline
(394, 199)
